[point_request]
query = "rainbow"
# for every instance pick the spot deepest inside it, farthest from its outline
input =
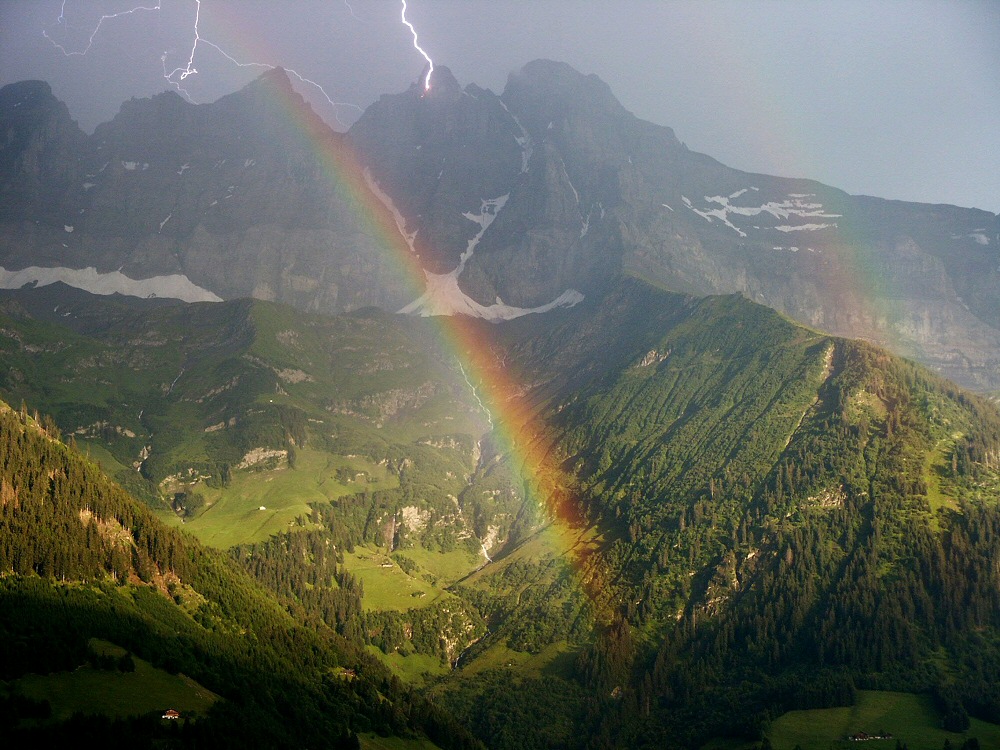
(517, 434)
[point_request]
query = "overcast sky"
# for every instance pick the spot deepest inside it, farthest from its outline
(895, 99)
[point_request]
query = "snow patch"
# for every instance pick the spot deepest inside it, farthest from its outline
(387, 202)
(666, 206)
(88, 185)
(444, 296)
(488, 211)
(183, 169)
(174, 286)
(719, 208)
(576, 195)
(165, 221)
(523, 140)
(976, 235)
(67, 228)
(130, 165)
(804, 227)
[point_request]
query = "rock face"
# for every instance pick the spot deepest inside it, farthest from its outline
(510, 203)
(250, 196)
(594, 191)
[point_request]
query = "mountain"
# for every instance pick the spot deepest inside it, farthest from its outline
(249, 196)
(694, 513)
(645, 518)
(173, 395)
(88, 570)
(589, 191)
(762, 517)
(512, 203)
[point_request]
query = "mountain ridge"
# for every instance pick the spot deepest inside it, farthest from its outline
(588, 191)
(729, 515)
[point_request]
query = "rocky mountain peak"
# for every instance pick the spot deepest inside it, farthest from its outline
(28, 108)
(166, 112)
(38, 139)
(444, 85)
(509, 201)
(26, 93)
(437, 155)
(277, 77)
(267, 103)
(546, 91)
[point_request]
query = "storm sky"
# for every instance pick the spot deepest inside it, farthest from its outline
(894, 99)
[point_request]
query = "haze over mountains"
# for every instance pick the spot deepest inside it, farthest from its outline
(550, 190)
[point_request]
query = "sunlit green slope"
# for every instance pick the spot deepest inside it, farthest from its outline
(81, 560)
(767, 518)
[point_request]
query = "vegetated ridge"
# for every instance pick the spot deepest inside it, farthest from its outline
(83, 560)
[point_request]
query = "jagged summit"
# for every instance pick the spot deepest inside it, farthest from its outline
(552, 186)
(443, 84)
(591, 191)
(277, 76)
(25, 92)
(552, 88)
(272, 95)
(28, 104)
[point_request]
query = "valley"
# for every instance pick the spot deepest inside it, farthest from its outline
(659, 493)
(498, 421)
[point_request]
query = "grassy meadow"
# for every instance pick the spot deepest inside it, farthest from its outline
(910, 718)
(118, 694)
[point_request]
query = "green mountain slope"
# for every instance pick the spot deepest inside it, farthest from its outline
(183, 392)
(245, 420)
(697, 516)
(81, 560)
(776, 518)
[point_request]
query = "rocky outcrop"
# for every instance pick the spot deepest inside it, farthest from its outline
(511, 204)
(250, 196)
(600, 192)
(438, 154)
(39, 148)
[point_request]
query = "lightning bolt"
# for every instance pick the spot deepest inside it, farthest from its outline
(353, 14)
(62, 20)
(178, 75)
(416, 46)
(189, 69)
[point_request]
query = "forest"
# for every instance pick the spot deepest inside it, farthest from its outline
(732, 517)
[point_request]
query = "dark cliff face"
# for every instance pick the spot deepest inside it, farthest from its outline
(39, 145)
(438, 154)
(599, 192)
(243, 196)
(247, 196)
